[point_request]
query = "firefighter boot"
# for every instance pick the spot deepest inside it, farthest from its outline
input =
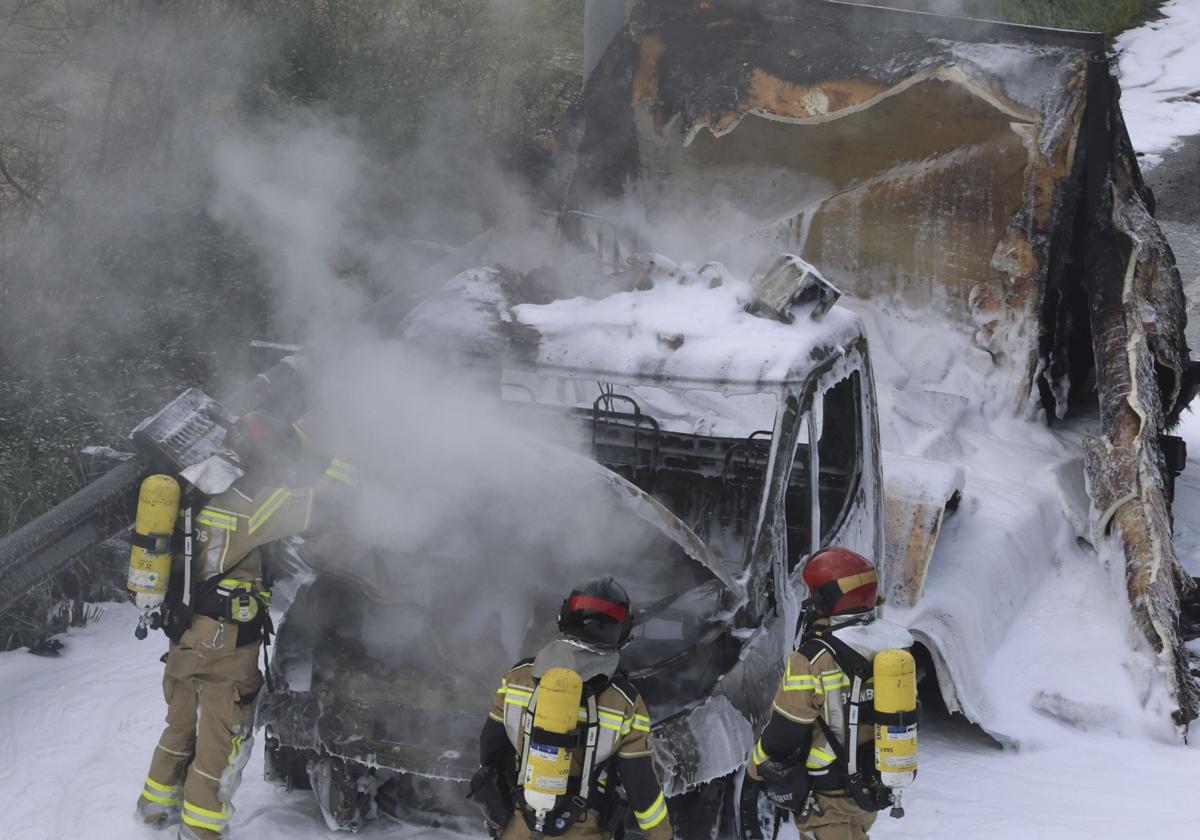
(156, 815)
(187, 833)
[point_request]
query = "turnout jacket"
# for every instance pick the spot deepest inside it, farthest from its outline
(814, 684)
(623, 741)
(229, 527)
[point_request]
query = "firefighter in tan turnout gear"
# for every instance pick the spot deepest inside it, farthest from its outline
(216, 618)
(816, 756)
(566, 749)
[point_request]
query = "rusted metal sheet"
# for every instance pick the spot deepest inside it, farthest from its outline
(917, 494)
(979, 172)
(1137, 320)
(935, 172)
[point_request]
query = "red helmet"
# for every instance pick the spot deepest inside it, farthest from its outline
(261, 439)
(841, 582)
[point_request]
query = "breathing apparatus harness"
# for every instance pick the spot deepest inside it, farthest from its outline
(852, 770)
(790, 786)
(219, 597)
(596, 788)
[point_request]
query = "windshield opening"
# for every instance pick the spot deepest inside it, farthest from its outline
(839, 451)
(835, 419)
(702, 453)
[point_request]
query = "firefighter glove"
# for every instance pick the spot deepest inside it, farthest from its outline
(785, 784)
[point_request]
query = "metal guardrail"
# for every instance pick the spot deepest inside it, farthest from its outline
(104, 508)
(42, 547)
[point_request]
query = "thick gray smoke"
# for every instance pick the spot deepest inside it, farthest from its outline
(176, 181)
(462, 510)
(468, 530)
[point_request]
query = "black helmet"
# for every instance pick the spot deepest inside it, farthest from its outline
(263, 439)
(597, 613)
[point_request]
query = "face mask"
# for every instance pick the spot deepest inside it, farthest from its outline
(566, 653)
(851, 620)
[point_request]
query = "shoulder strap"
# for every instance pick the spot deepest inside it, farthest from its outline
(847, 759)
(589, 750)
(858, 669)
(835, 743)
(811, 647)
(847, 657)
(621, 682)
(188, 534)
(527, 728)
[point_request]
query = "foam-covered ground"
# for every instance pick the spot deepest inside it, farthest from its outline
(76, 734)
(76, 731)
(1057, 670)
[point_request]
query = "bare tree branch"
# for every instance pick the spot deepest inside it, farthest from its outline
(24, 193)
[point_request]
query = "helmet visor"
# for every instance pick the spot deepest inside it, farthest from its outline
(589, 603)
(595, 621)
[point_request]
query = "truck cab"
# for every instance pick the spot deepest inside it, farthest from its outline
(735, 426)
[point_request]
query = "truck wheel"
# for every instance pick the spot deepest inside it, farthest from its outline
(345, 791)
(699, 814)
(286, 766)
(730, 807)
(750, 815)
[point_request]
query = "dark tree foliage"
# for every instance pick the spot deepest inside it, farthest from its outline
(118, 288)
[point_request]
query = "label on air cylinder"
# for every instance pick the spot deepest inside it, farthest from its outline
(548, 770)
(550, 784)
(896, 748)
(142, 580)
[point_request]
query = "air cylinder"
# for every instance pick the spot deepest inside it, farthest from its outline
(552, 739)
(150, 559)
(896, 718)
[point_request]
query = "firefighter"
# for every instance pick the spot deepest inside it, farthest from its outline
(610, 745)
(802, 757)
(216, 618)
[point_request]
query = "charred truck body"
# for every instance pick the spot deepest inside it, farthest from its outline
(974, 171)
(738, 444)
(978, 172)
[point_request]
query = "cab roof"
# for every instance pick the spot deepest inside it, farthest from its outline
(684, 323)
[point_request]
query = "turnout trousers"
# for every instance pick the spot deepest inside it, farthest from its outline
(211, 687)
(840, 818)
(587, 829)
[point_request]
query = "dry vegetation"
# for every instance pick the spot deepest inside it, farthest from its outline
(117, 287)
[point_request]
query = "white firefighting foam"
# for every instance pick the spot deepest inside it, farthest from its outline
(1160, 91)
(1047, 657)
(1059, 668)
(692, 324)
(1035, 630)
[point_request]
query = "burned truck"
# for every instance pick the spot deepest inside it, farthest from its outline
(720, 434)
(977, 173)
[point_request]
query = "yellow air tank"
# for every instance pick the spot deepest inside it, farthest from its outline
(896, 721)
(552, 739)
(150, 560)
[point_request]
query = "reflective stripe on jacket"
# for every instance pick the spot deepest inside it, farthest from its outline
(232, 525)
(809, 688)
(623, 735)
